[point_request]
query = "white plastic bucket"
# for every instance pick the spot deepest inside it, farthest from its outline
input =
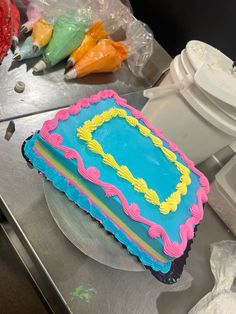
(198, 121)
(222, 197)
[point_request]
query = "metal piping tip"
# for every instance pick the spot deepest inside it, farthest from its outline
(35, 48)
(72, 74)
(17, 57)
(69, 65)
(40, 66)
(14, 44)
(24, 29)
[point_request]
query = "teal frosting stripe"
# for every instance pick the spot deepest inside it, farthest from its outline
(62, 184)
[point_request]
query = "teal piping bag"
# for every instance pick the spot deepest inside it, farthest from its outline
(26, 51)
(69, 31)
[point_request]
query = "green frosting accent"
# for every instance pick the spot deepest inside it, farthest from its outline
(68, 33)
(82, 292)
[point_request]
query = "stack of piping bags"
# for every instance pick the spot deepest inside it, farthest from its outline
(106, 56)
(68, 33)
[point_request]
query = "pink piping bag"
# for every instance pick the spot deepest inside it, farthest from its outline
(33, 13)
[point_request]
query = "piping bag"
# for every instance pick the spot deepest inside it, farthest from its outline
(15, 16)
(106, 56)
(94, 34)
(5, 28)
(42, 33)
(26, 51)
(33, 13)
(68, 33)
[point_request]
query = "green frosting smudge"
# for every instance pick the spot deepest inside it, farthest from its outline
(82, 292)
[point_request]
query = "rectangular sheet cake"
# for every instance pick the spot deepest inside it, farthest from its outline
(108, 159)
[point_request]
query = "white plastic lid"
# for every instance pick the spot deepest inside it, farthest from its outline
(200, 53)
(213, 71)
(217, 83)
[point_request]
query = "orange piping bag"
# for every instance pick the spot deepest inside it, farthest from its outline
(42, 33)
(106, 56)
(92, 36)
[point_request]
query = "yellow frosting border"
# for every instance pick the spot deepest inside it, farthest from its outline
(139, 184)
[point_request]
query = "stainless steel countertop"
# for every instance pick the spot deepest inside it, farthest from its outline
(65, 267)
(60, 267)
(49, 91)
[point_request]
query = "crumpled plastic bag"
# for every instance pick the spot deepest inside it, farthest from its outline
(115, 15)
(222, 299)
(140, 39)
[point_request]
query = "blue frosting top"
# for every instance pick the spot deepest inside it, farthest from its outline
(143, 159)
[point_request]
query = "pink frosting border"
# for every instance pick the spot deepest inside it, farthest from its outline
(92, 202)
(186, 231)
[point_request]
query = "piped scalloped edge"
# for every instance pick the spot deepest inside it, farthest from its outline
(62, 184)
(173, 249)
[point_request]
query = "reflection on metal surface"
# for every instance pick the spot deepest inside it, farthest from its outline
(86, 234)
(49, 90)
(215, 162)
(10, 130)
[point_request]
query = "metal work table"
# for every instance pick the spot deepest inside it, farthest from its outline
(54, 264)
(58, 268)
(49, 91)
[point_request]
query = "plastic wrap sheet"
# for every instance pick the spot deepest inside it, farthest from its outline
(222, 298)
(139, 37)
